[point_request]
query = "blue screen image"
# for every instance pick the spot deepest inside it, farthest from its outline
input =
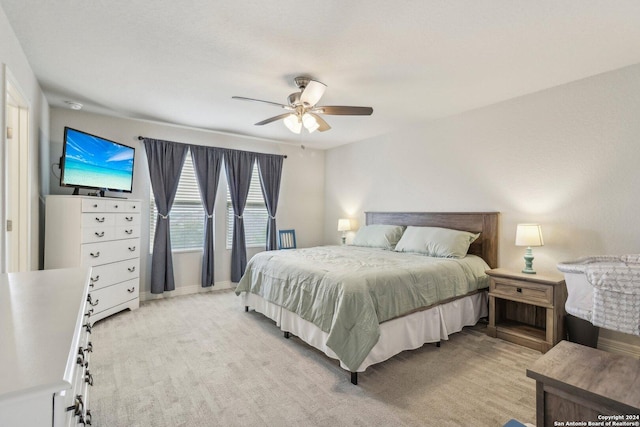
(91, 161)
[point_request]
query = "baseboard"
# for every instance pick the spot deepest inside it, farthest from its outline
(188, 290)
(614, 346)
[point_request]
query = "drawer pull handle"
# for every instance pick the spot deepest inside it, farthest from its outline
(89, 348)
(78, 406)
(88, 378)
(89, 313)
(100, 219)
(87, 327)
(96, 255)
(87, 417)
(131, 290)
(131, 269)
(128, 231)
(519, 290)
(128, 218)
(90, 301)
(101, 234)
(132, 248)
(81, 361)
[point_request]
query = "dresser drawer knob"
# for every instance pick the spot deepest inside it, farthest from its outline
(128, 218)
(519, 290)
(100, 219)
(131, 269)
(101, 234)
(132, 248)
(128, 231)
(95, 255)
(132, 290)
(115, 206)
(95, 206)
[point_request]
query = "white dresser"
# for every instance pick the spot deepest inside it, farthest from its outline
(102, 233)
(45, 348)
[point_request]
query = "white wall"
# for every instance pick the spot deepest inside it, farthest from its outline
(301, 204)
(566, 157)
(14, 62)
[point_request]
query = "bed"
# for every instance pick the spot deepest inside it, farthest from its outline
(363, 305)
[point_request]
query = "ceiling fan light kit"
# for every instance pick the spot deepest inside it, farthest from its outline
(303, 109)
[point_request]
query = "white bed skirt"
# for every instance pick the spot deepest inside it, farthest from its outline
(404, 333)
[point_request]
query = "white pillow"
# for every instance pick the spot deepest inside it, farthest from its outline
(436, 241)
(378, 236)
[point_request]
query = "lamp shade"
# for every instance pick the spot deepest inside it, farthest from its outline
(529, 235)
(344, 225)
(292, 123)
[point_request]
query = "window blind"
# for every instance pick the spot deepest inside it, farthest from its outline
(255, 215)
(187, 213)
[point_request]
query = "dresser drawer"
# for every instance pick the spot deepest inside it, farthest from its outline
(127, 231)
(93, 254)
(109, 274)
(98, 219)
(115, 294)
(97, 234)
(132, 206)
(117, 206)
(127, 219)
(522, 291)
(93, 205)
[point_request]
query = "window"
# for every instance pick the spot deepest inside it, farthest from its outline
(187, 213)
(255, 215)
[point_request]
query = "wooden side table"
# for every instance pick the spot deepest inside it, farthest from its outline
(582, 384)
(527, 309)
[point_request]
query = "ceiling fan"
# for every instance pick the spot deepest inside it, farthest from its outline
(303, 111)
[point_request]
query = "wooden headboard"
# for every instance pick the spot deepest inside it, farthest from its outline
(485, 223)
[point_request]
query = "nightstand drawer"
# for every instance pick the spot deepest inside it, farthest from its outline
(522, 291)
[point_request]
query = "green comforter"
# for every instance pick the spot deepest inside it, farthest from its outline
(348, 291)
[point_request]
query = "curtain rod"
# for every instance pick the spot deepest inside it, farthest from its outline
(141, 138)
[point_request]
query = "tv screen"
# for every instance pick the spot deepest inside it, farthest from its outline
(89, 161)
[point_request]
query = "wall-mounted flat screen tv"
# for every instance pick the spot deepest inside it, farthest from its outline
(89, 161)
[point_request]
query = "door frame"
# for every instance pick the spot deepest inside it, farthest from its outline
(20, 215)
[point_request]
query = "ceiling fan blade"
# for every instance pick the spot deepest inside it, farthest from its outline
(242, 98)
(341, 110)
(313, 92)
(273, 119)
(323, 125)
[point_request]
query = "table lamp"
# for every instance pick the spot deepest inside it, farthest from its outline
(529, 235)
(344, 225)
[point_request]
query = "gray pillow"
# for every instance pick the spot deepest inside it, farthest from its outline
(436, 241)
(378, 236)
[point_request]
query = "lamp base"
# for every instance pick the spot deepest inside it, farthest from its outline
(528, 262)
(344, 240)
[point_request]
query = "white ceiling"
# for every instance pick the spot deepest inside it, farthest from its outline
(181, 62)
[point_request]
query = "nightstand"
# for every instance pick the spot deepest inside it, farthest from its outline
(527, 309)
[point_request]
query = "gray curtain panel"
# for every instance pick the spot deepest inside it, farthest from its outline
(206, 162)
(239, 165)
(270, 169)
(165, 160)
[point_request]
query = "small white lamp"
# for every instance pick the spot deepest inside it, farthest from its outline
(529, 235)
(344, 225)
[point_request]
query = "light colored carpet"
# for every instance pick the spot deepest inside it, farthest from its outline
(200, 360)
